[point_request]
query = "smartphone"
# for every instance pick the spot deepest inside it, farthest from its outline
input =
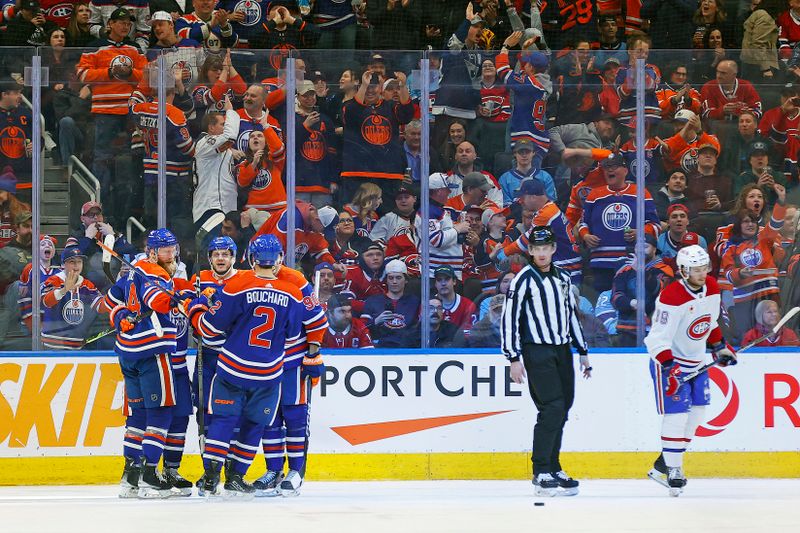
(315, 109)
(375, 79)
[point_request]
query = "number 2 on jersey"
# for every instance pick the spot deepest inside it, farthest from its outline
(266, 327)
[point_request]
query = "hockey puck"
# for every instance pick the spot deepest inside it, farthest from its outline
(538, 504)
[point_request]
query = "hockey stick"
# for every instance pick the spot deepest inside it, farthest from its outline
(782, 322)
(114, 330)
(309, 389)
(201, 406)
(109, 241)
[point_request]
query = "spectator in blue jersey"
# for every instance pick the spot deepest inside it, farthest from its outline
(669, 242)
(392, 315)
(531, 88)
(523, 169)
(657, 275)
(317, 162)
(638, 48)
(337, 23)
(209, 26)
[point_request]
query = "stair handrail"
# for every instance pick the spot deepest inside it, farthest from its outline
(49, 143)
(133, 221)
(87, 181)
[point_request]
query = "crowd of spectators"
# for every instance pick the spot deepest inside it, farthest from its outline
(532, 121)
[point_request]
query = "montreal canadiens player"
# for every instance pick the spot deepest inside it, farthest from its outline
(684, 324)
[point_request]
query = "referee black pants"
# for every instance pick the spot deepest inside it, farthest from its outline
(551, 381)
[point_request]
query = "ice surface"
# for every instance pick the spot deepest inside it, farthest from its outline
(707, 505)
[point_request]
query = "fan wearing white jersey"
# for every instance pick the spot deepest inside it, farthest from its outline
(684, 324)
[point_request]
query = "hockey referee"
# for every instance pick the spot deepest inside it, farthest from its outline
(539, 323)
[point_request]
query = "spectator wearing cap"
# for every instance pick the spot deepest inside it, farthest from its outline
(344, 330)
(365, 276)
(657, 276)
(16, 148)
(458, 309)
(282, 31)
(735, 158)
(529, 114)
(71, 303)
(485, 333)
(608, 224)
(372, 149)
(466, 161)
(680, 150)
(673, 192)
(317, 164)
(760, 173)
(133, 21)
(523, 169)
(474, 189)
(446, 236)
(676, 93)
(10, 206)
(671, 240)
(391, 316)
(182, 51)
(608, 44)
(544, 212)
(493, 224)
(93, 227)
(327, 282)
(398, 219)
(29, 27)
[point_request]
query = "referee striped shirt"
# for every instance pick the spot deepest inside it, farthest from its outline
(540, 309)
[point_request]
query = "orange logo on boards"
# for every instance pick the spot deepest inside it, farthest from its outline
(377, 130)
(12, 142)
(364, 433)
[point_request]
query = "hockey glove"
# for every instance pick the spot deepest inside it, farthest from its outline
(313, 367)
(724, 354)
(672, 371)
(123, 319)
(194, 308)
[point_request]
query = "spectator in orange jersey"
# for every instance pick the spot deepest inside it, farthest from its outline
(262, 171)
(748, 262)
(767, 315)
(474, 188)
(677, 94)
(680, 150)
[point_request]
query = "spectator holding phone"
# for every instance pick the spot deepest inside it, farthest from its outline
(760, 173)
(390, 316)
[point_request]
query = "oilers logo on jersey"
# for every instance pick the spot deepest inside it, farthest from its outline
(689, 160)
(243, 140)
(180, 321)
(300, 251)
(262, 180)
(377, 130)
(122, 61)
(314, 147)
(617, 216)
(73, 312)
(699, 327)
(634, 167)
(251, 10)
(751, 257)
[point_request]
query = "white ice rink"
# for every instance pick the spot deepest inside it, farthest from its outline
(707, 505)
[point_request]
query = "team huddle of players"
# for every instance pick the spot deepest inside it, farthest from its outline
(260, 331)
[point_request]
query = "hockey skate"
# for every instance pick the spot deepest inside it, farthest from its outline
(152, 484)
(208, 484)
(237, 488)
(290, 486)
(545, 485)
(567, 485)
(267, 485)
(659, 472)
(129, 484)
(676, 482)
(180, 485)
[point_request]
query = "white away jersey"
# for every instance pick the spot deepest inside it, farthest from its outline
(684, 323)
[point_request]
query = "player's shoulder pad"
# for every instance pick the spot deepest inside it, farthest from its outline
(292, 276)
(676, 294)
(152, 269)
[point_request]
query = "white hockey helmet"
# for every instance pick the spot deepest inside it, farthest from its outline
(691, 256)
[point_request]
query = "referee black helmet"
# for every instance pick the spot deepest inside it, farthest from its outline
(541, 235)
